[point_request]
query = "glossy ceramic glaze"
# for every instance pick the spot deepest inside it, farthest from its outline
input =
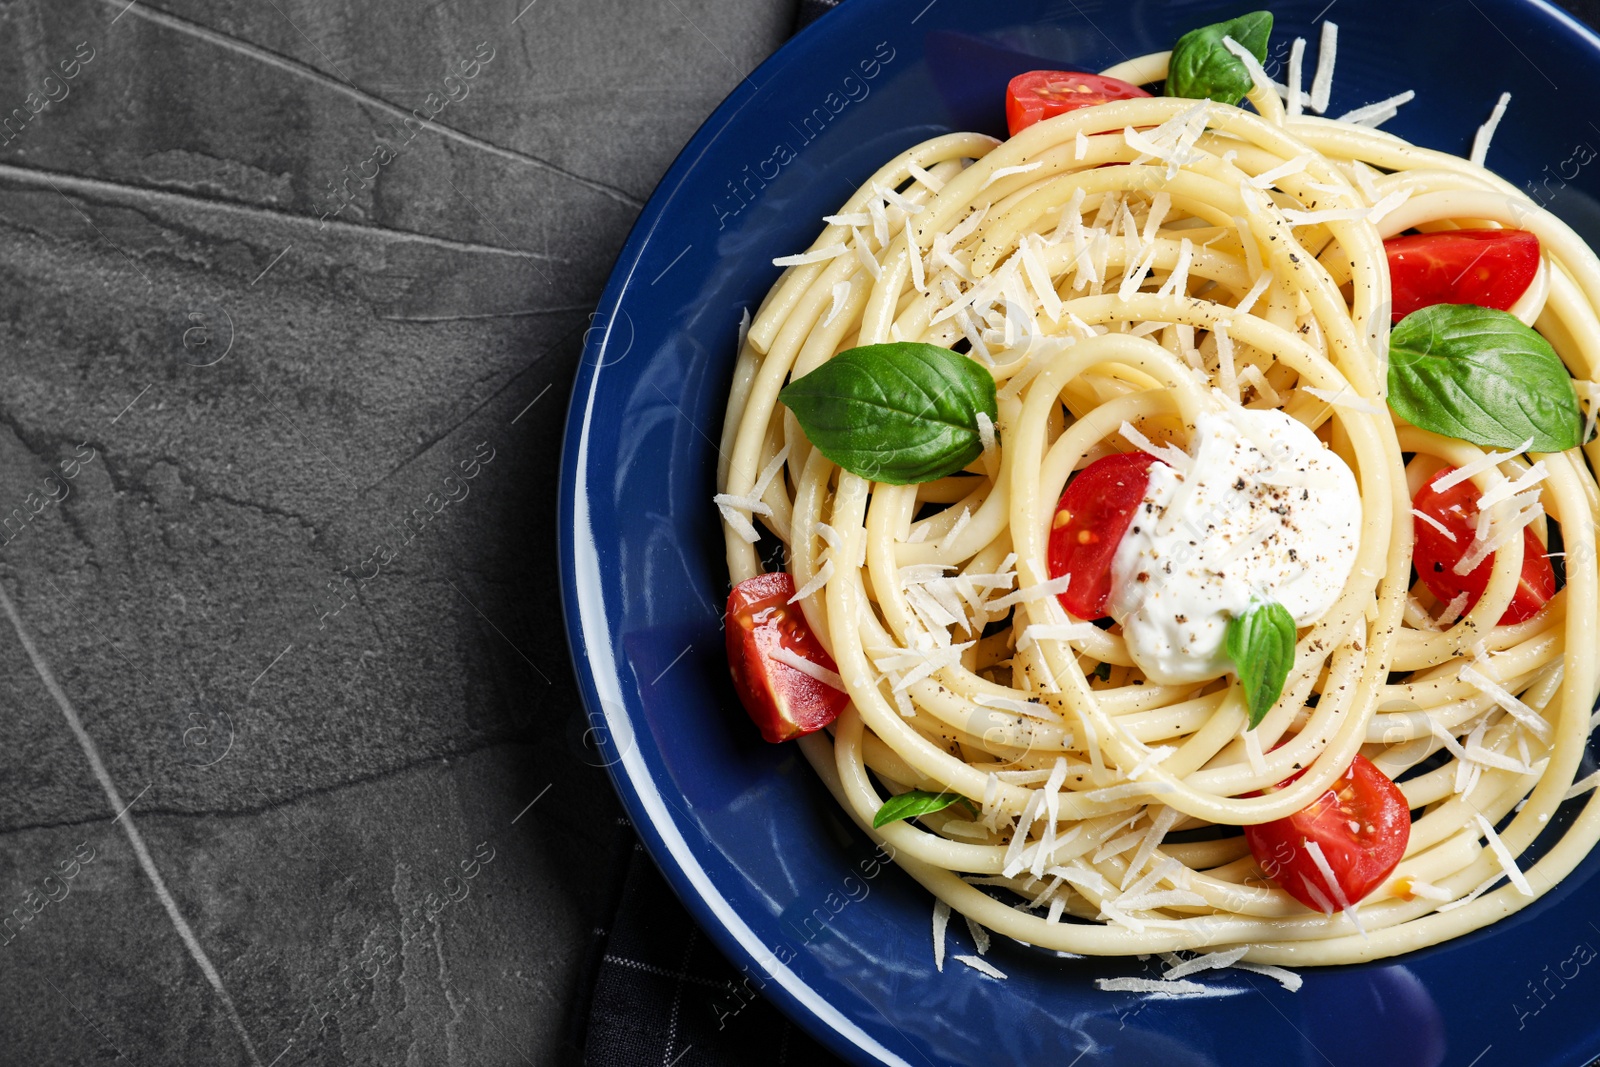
(787, 887)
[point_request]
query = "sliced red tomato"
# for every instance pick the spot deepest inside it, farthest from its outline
(1094, 512)
(1436, 554)
(763, 630)
(1043, 94)
(1490, 268)
(1361, 826)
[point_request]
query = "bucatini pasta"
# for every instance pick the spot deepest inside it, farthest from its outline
(1201, 295)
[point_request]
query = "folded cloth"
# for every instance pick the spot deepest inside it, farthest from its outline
(665, 997)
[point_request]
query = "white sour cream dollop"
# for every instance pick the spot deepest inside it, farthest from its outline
(1264, 511)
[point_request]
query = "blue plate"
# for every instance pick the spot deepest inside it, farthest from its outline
(750, 841)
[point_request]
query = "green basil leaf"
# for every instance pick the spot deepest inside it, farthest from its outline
(917, 802)
(1482, 376)
(897, 413)
(1261, 644)
(1202, 68)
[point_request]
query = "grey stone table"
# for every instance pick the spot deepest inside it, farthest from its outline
(291, 297)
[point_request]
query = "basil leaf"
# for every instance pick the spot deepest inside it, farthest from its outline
(1202, 67)
(1481, 375)
(897, 413)
(1261, 644)
(917, 802)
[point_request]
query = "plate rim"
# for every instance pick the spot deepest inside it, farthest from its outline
(586, 624)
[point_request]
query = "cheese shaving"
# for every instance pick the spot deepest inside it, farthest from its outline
(841, 296)
(1287, 978)
(1485, 134)
(807, 667)
(1435, 523)
(1294, 99)
(1149, 985)
(1208, 962)
(933, 184)
(1343, 398)
(1503, 854)
(982, 966)
(1538, 724)
(816, 255)
(1381, 111)
(1327, 53)
(1483, 463)
(821, 578)
(1006, 172)
(1169, 454)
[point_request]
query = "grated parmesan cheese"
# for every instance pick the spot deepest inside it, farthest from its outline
(841, 296)
(1435, 523)
(1177, 283)
(1267, 178)
(933, 184)
(986, 433)
(1148, 985)
(1294, 99)
(1503, 854)
(1427, 890)
(1256, 289)
(1343, 398)
(1538, 724)
(1582, 786)
(1477, 892)
(1005, 172)
(1485, 134)
(1314, 850)
(982, 966)
(1452, 611)
(1258, 77)
(980, 936)
(816, 255)
(1508, 489)
(1163, 822)
(1379, 112)
(1483, 463)
(880, 221)
(1050, 631)
(1208, 962)
(1289, 980)
(1327, 53)
(1169, 454)
(869, 262)
(941, 919)
(807, 667)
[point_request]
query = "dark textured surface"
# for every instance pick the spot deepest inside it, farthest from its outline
(313, 715)
(305, 818)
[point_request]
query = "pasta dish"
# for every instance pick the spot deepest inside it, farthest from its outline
(1166, 529)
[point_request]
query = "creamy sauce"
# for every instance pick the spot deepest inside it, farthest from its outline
(1263, 511)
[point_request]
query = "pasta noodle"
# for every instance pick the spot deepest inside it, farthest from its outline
(1229, 251)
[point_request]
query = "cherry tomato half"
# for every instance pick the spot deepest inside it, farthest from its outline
(1436, 555)
(1043, 94)
(1361, 825)
(1091, 517)
(782, 700)
(1490, 268)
